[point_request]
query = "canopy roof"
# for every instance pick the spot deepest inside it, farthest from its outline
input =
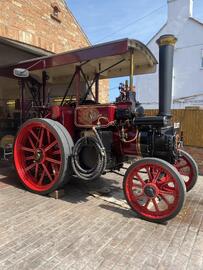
(113, 58)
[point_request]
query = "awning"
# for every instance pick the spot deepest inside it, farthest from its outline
(113, 58)
(25, 47)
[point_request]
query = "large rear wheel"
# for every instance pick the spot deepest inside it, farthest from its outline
(188, 169)
(42, 152)
(154, 189)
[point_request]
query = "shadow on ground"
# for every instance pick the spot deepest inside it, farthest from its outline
(107, 187)
(8, 176)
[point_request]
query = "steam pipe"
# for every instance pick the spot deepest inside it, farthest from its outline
(166, 45)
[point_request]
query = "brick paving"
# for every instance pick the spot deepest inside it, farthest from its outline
(197, 154)
(80, 231)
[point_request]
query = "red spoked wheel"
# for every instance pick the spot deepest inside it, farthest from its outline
(154, 189)
(188, 169)
(41, 155)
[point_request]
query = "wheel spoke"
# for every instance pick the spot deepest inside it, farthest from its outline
(164, 198)
(27, 149)
(147, 203)
(136, 185)
(41, 137)
(47, 172)
(156, 177)
(36, 170)
(53, 160)
(48, 137)
(41, 178)
(34, 135)
(31, 142)
(29, 158)
(166, 192)
(30, 167)
(165, 181)
(140, 179)
(182, 166)
(50, 146)
(155, 205)
(148, 168)
(56, 152)
(137, 196)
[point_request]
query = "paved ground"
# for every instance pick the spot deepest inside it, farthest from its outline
(81, 231)
(197, 154)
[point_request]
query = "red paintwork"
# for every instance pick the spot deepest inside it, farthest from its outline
(37, 176)
(132, 148)
(87, 116)
(163, 184)
(64, 115)
(77, 56)
(67, 119)
(123, 104)
(183, 165)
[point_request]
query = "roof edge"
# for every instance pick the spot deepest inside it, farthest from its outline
(25, 46)
(80, 27)
(196, 20)
(190, 18)
(156, 33)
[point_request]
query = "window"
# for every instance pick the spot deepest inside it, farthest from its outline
(201, 66)
(55, 12)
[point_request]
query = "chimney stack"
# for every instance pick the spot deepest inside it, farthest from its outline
(166, 51)
(179, 9)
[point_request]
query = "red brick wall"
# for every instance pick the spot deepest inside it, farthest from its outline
(31, 22)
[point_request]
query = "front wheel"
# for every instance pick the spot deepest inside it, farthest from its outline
(188, 169)
(154, 189)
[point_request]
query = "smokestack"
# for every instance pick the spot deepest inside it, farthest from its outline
(166, 51)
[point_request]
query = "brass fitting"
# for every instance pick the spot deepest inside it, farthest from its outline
(166, 40)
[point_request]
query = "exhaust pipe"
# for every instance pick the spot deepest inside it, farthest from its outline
(166, 45)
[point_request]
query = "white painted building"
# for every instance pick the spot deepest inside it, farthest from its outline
(188, 59)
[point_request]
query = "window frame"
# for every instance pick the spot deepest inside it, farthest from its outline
(55, 12)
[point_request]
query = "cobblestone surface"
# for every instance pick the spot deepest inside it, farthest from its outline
(80, 231)
(197, 154)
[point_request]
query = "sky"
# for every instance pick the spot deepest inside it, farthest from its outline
(106, 20)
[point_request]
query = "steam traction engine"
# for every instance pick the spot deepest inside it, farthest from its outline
(86, 139)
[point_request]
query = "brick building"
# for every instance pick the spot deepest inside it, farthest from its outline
(47, 24)
(36, 28)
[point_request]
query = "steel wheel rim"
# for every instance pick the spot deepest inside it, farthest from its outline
(38, 156)
(185, 169)
(154, 196)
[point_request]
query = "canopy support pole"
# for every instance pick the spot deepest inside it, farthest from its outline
(77, 84)
(131, 69)
(22, 100)
(68, 88)
(97, 88)
(44, 94)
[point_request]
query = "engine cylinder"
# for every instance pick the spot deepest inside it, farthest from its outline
(158, 143)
